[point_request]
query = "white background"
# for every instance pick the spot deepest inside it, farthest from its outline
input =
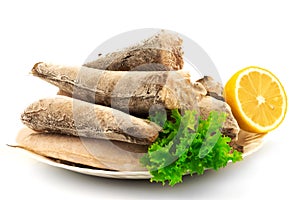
(235, 34)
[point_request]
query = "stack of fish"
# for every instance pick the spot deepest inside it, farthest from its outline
(99, 118)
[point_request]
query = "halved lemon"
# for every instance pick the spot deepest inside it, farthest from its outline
(257, 99)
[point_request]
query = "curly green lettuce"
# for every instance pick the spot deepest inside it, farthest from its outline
(188, 145)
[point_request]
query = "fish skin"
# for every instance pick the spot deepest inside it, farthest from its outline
(69, 116)
(131, 92)
(160, 52)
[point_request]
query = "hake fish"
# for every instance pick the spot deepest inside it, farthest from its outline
(78, 118)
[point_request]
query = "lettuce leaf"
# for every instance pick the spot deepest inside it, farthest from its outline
(188, 145)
